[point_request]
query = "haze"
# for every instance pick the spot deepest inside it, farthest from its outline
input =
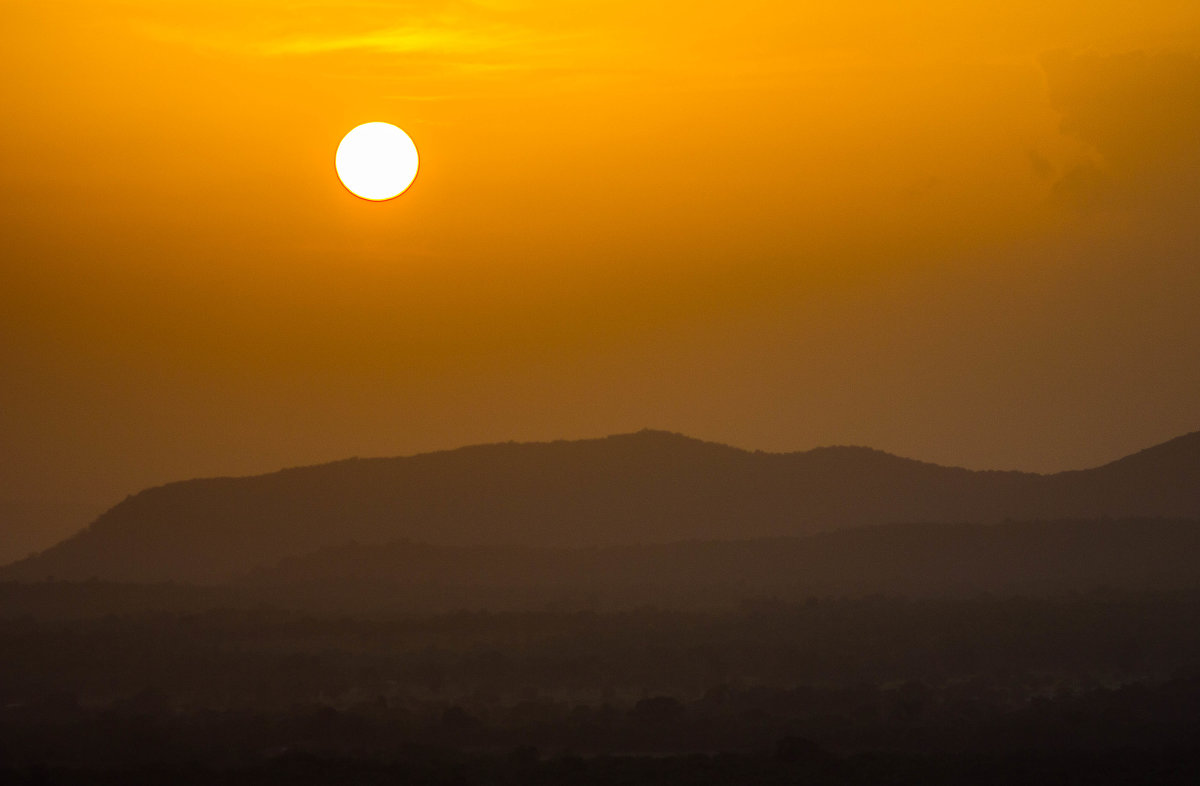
(962, 235)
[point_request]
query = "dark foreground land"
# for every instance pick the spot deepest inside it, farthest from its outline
(199, 687)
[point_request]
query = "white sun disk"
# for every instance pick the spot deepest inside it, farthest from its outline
(376, 161)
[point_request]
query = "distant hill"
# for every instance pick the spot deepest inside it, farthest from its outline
(28, 525)
(1028, 558)
(648, 487)
(1012, 558)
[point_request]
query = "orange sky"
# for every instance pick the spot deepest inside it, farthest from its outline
(961, 232)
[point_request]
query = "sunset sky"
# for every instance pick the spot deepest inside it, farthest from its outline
(965, 232)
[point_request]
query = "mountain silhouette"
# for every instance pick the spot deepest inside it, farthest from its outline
(647, 487)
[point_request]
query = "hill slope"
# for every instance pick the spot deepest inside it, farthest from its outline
(636, 488)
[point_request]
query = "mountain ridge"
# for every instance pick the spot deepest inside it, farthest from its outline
(643, 487)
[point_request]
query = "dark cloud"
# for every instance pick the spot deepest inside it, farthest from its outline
(1042, 167)
(1140, 112)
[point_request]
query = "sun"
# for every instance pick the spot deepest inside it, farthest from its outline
(376, 161)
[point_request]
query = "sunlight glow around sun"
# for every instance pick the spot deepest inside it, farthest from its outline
(376, 161)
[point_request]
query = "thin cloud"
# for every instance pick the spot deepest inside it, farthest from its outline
(410, 39)
(406, 40)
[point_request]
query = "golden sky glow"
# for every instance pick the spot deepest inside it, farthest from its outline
(959, 231)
